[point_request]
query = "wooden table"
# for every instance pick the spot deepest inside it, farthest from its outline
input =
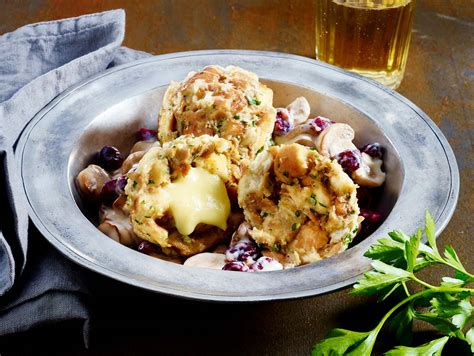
(439, 79)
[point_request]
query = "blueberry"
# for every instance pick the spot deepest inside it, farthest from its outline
(146, 135)
(108, 193)
(110, 158)
(282, 123)
(243, 251)
(236, 266)
(112, 189)
(148, 248)
(266, 264)
(320, 123)
(120, 185)
(349, 160)
(374, 150)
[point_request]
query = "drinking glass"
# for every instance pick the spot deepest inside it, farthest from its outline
(369, 37)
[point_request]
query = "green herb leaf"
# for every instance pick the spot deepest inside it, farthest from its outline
(455, 307)
(452, 258)
(401, 325)
(470, 338)
(383, 276)
(432, 348)
(442, 324)
(452, 282)
(430, 232)
(345, 342)
(411, 250)
(390, 250)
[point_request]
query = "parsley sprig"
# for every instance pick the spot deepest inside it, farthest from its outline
(447, 307)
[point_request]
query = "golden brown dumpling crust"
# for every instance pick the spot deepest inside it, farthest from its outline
(149, 204)
(229, 102)
(301, 205)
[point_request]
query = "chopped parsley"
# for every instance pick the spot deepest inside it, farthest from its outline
(254, 101)
(324, 206)
(286, 174)
(294, 226)
(259, 150)
(237, 117)
(151, 181)
(347, 239)
(297, 213)
(313, 199)
(263, 214)
(134, 186)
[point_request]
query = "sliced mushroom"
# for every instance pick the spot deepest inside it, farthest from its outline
(303, 139)
(206, 260)
(369, 174)
(335, 139)
(131, 160)
(91, 180)
(304, 128)
(299, 110)
(116, 225)
(242, 233)
(143, 146)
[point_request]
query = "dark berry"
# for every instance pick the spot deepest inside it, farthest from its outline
(320, 123)
(374, 150)
(236, 266)
(148, 248)
(282, 123)
(266, 264)
(146, 135)
(371, 221)
(120, 186)
(110, 158)
(112, 189)
(349, 160)
(243, 251)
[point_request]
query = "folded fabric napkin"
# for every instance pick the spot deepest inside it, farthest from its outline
(37, 62)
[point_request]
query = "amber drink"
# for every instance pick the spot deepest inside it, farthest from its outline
(367, 37)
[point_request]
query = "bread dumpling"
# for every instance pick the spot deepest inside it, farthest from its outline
(228, 102)
(180, 194)
(301, 205)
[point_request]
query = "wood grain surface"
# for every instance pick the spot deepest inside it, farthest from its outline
(439, 79)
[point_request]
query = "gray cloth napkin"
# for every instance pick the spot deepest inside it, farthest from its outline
(37, 62)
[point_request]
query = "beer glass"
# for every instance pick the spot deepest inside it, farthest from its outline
(369, 37)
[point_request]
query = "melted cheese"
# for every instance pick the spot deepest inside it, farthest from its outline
(199, 197)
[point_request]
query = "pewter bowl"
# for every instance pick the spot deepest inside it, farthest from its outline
(109, 108)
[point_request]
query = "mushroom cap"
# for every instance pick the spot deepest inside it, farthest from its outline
(206, 260)
(299, 110)
(335, 139)
(369, 174)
